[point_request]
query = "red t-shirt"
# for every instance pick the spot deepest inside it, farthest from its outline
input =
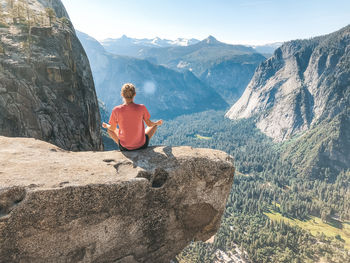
(130, 119)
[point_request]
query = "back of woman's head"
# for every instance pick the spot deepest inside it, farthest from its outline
(128, 91)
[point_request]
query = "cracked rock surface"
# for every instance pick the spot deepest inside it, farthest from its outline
(142, 206)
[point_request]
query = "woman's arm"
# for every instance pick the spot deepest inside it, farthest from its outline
(109, 127)
(112, 131)
(150, 123)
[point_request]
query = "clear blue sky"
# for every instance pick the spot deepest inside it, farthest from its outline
(231, 21)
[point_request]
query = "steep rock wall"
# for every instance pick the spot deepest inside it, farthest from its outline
(302, 84)
(46, 86)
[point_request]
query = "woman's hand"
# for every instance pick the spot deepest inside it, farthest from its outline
(159, 123)
(105, 125)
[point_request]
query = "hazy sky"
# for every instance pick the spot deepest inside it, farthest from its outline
(231, 21)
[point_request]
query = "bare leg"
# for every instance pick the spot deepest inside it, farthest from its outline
(150, 131)
(114, 135)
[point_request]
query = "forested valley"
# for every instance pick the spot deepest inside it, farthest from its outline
(274, 212)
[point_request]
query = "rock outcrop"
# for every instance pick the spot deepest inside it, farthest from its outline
(143, 206)
(46, 85)
(302, 84)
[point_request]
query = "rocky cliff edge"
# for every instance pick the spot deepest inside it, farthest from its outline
(143, 206)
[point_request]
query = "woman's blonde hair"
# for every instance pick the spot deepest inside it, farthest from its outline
(128, 91)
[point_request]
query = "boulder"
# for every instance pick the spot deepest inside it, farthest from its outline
(141, 206)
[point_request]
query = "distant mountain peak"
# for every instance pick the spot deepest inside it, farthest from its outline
(211, 40)
(157, 41)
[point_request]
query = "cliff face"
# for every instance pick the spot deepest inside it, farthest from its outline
(304, 90)
(46, 86)
(304, 83)
(143, 206)
(230, 76)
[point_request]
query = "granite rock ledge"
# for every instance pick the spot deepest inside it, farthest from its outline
(144, 206)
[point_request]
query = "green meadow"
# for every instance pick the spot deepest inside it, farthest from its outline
(316, 226)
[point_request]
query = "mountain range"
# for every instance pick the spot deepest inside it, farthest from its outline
(167, 93)
(127, 46)
(195, 58)
(226, 68)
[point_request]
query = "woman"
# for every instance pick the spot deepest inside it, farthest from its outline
(129, 117)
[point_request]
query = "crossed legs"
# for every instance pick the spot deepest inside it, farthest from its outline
(114, 135)
(150, 131)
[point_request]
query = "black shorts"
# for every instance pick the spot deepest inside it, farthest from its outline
(121, 148)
